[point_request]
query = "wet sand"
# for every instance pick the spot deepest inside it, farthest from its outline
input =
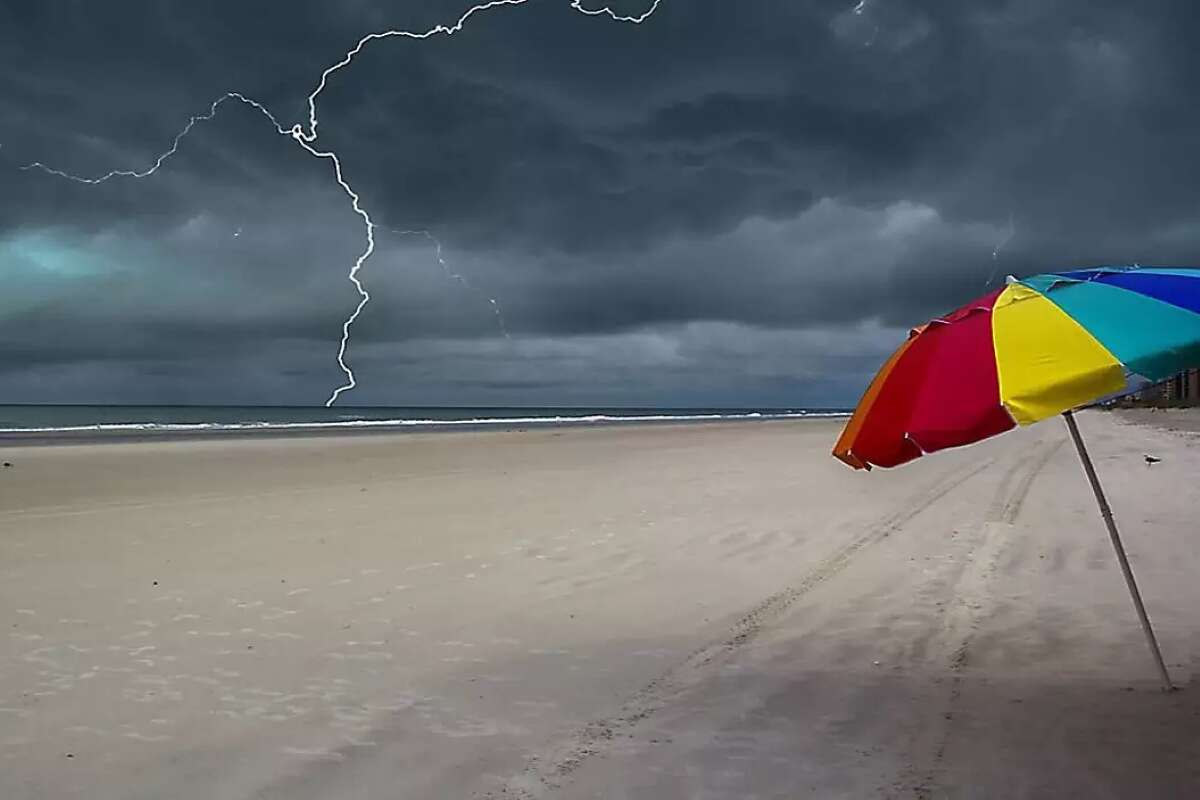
(700, 611)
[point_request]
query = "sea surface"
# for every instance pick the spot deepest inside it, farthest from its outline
(24, 420)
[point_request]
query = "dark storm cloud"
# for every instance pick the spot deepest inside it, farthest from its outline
(733, 199)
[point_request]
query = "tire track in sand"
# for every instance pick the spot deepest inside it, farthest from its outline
(969, 593)
(553, 769)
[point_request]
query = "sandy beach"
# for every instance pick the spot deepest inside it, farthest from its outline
(682, 611)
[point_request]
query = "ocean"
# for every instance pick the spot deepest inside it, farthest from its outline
(25, 420)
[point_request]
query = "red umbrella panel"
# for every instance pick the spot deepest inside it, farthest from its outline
(939, 389)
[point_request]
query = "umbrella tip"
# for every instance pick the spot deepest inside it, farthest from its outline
(1009, 280)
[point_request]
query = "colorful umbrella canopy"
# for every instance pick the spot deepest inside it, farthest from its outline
(1036, 348)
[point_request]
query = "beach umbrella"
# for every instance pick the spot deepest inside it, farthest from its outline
(1036, 348)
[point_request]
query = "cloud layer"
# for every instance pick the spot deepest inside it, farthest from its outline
(729, 204)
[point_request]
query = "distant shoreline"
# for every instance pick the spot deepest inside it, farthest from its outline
(132, 433)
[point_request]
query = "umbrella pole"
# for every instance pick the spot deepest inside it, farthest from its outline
(1106, 513)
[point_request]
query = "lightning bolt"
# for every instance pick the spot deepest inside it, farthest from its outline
(1012, 231)
(456, 277)
(162, 158)
(307, 139)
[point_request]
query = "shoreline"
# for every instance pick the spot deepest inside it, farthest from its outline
(41, 438)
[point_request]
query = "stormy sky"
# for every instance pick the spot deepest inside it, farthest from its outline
(734, 203)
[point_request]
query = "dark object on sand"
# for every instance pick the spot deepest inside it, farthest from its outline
(1152, 459)
(7, 464)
